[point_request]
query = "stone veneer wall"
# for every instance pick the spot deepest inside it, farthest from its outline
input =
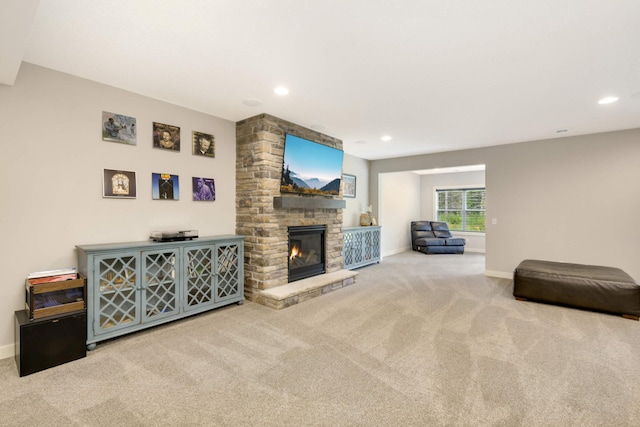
(259, 157)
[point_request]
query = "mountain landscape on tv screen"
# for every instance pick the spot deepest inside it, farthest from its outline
(292, 182)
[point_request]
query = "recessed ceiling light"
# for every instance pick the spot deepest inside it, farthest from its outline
(562, 130)
(319, 126)
(608, 100)
(386, 138)
(252, 102)
(281, 90)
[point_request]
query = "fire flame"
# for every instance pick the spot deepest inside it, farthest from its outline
(295, 252)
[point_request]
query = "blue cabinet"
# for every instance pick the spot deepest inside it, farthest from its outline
(361, 246)
(136, 285)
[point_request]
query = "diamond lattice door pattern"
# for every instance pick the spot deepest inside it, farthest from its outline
(357, 245)
(199, 284)
(117, 299)
(228, 285)
(348, 253)
(160, 297)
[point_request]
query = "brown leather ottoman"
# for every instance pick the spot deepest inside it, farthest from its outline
(592, 287)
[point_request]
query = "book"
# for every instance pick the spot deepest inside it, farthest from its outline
(48, 273)
(51, 279)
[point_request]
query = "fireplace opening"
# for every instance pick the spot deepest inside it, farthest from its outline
(306, 251)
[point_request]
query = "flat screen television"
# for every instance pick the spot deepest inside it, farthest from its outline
(310, 168)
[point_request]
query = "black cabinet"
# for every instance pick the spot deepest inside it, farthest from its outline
(45, 343)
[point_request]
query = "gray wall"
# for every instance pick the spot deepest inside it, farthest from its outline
(51, 169)
(572, 199)
(355, 206)
(401, 194)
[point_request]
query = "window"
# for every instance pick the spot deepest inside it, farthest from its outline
(462, 208)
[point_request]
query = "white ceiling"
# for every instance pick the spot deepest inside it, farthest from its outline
(436, 75)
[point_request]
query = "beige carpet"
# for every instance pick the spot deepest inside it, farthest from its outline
(419, 340)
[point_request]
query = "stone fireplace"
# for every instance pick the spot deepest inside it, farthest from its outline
(265, 216)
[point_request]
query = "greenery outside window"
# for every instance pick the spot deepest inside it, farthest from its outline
(462, 208)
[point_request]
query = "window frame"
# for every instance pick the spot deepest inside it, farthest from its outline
(463, 188)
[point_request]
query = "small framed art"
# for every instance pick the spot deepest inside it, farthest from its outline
(204, 144)
(166, 137)
(165, 186)
(348, 185)
(118, 128)
(204, 189)
(118, 184)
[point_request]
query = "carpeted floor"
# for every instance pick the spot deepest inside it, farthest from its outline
(418, 340)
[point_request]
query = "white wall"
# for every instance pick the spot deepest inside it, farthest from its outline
(430, 182)
(51, 169)
(400, 196)
(572, 199)
(355, 206)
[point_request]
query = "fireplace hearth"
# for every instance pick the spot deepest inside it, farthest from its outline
(306, 251)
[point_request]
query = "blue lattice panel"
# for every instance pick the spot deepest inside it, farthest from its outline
(375, 244)
(199, 284)
(228, 262)
(347, 253)
(160, 297)
(357, 248)
(117, 299)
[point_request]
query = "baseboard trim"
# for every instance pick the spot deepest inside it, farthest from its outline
(396, 251)
(499, 274)
(474, 250)
(408, 249)
(7, 351)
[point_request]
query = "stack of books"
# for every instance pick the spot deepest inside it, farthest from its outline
(50, 276)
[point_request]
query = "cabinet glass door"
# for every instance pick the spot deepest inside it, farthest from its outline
(375, 244)
(199, 278)
(116, 299)
(159, 286)
(227, 267)
(368, 250)
(357, 248)
(348, 252)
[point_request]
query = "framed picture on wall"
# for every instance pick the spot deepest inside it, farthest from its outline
(118, 128)
(166, 137)
(204, 189)
(118, 184)
(165, 186)
(348, 185)
(204, 144)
